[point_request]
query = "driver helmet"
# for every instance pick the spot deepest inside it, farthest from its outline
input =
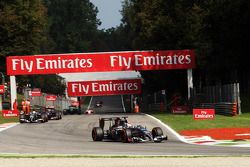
(117, 121)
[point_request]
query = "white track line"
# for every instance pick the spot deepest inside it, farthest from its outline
(181, 138)
(11, 126)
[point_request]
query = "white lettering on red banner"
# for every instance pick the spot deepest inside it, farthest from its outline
(51, 98)
(203, 114)
(2, 89)
(100, 62)
(179, 109)
(36, 92)
(105, 87)
(10, 113)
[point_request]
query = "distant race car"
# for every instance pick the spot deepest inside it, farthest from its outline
(53, 113)
(98, 104)
(118, 129)
(36, 115)
(89, 111)
(72, 110)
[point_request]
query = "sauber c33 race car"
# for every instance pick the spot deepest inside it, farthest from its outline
(119, 129)
(53, 113)
(35, 115)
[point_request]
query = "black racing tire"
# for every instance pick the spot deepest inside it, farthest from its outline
(21, 116)
(126, 135)
(157, 131)
(65, 112)
(60, 117)
(97, 134)
(79, 112)
(46, 118)
(43, 116)
(57, 115)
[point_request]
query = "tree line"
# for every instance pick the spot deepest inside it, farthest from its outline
(218, 30)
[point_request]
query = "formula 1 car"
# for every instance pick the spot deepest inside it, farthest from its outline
(72, 110)
(98, 104)
(36, 115)
(120, 130)
(53, 113)
(89, 111)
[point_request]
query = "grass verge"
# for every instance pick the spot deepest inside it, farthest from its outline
(186, 122)
(7, 120)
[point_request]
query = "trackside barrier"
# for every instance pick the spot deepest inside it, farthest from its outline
(223, 108)
(235, 109)
(60, 103)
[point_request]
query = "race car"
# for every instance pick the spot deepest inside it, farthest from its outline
(89, 111)
(98, 104)
(36, 115)
(53, 113)
(120, 130)
(72, 110)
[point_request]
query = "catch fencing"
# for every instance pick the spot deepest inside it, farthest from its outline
(60, 103)
(225, 99)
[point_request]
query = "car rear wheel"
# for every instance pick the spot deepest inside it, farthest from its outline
(126, 135)
(157, 131)
(65, 112)
(60, 117)
(43, 116)
(57, 115)
(97, 134)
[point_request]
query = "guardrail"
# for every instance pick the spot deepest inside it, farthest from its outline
(222, 108)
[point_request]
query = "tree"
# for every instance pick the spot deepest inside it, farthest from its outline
(229, 33)
(165, 25)
(22, 27)
(72, 25)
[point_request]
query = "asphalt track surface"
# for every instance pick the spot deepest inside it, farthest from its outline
(72, 135)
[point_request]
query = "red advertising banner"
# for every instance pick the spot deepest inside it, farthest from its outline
(179, 109)
(203, 114)
(36, 92)
(100, 62)
(105, 87)
(10, 113)
(2, 89)
(51, 97)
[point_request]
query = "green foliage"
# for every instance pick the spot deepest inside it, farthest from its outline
(22, 27)
(164, 24)
(7, 120)
(229, 33)
(29, 27)
(72, 25)
(217, 29)
(52, 84)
